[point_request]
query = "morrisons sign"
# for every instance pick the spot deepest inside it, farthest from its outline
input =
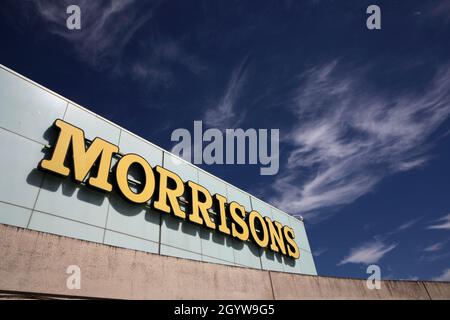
(162, 189)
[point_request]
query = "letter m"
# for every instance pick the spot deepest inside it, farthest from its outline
(98, 152)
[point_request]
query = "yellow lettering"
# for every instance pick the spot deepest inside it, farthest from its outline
(172, 194)
(166, 187)
(263, 233)
(122, 178)
(220, 206)
(198, 206)
(276, 236)
(83, 159)
(238, 218)
(289, 235)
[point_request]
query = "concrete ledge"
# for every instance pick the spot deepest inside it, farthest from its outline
(438, 290)
(291, 286)
(36, 262)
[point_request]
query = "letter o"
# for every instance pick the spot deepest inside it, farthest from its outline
(251, 220)
(122, 178)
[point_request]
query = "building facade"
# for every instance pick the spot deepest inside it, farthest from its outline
(34, 199)
(53, 228)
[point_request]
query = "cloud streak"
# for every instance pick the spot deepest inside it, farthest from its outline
(320, 251)
(223, 115)
(370, 252)
(349, 137)
(107, 30)
(445, 276)
(106, 26)
(442, 223)
(156, 67)
(407, 225)
(404, 226)
(434, 247)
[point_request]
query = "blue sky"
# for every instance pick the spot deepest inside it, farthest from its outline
(363, 115)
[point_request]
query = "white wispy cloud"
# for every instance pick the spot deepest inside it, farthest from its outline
(434, 256)
(406, 278)
(404, 226)
(445, 276)
(370, 252)
(407, 224)
(157, 65)
(439, 10)
(106, 26)
(349, 137)
(434, 247)
(442, 223)
(411, 278)
(318, 252)
(223, 114)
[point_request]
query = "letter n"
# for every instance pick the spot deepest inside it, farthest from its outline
(83, 159)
